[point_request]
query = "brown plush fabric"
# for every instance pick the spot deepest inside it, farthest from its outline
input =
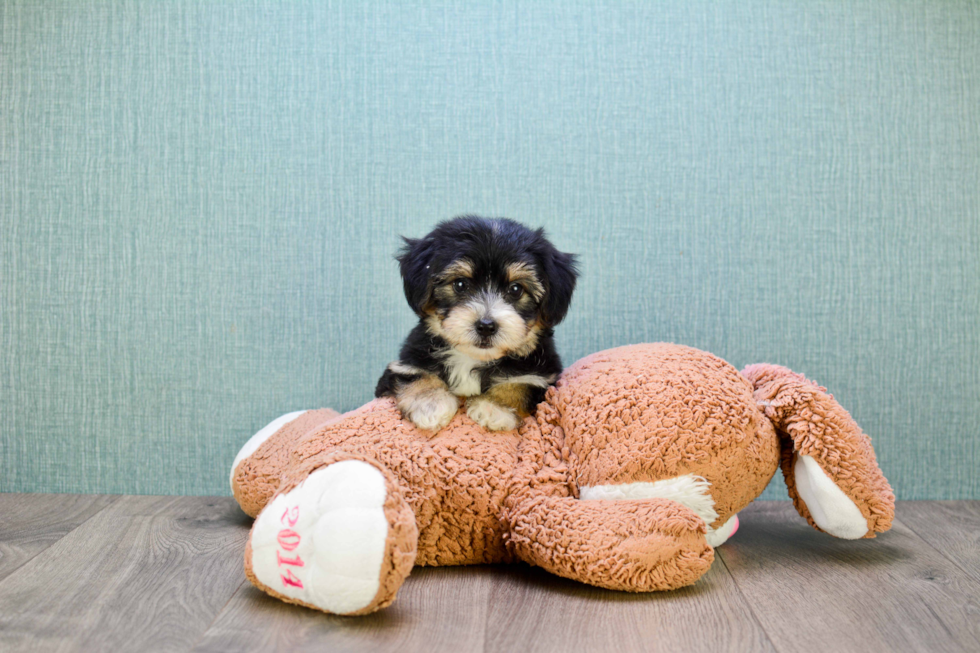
(651, 412)
(814, 424)
(455, 481)
(642, 413)
(637, 545)
(257, 477)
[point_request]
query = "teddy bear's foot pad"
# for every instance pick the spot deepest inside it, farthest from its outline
(323, 542)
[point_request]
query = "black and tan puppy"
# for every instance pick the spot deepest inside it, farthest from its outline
(488, 293)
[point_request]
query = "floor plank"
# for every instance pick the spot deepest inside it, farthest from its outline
(437, 609)
(30, 523)
(812, 592)
(531, 610)
(165, 573)
(144, 574)
(501, 608)
(951, 527)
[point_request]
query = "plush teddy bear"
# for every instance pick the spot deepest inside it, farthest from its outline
(632, 469)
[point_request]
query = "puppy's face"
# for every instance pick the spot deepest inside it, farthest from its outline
(488, 287)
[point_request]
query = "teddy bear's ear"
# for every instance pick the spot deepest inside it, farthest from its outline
(414, 260)
(830, 468)
(560, 273)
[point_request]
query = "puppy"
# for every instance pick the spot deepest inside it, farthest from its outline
(488, 293)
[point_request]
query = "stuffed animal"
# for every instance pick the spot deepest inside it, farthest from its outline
(632, 470)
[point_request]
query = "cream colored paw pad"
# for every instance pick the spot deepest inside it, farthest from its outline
(323, 542)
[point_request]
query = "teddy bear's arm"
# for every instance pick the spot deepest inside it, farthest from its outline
(637, 546)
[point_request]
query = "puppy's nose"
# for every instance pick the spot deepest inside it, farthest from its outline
(486, 328)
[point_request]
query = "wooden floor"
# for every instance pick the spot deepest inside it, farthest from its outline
(128, 573)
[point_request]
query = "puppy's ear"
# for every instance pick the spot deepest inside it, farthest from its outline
(414, 259)
(560, 271)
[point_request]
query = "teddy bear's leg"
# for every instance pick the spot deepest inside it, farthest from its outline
(342, 540)
(633, 545)
(256, 469)
(828, 462)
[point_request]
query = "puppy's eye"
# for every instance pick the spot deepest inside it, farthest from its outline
(460, 285)
(515, 291)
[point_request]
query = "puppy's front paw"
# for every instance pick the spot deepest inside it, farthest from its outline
(490, 415)
(430, 410)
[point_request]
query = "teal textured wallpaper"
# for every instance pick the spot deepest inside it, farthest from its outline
(199, 203)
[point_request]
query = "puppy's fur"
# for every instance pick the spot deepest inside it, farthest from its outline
(488, 293)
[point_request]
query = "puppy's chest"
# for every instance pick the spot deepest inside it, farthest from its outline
(464, 375)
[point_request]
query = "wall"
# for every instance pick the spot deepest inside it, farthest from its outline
(199, 203)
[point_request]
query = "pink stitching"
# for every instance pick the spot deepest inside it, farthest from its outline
(289, 579)
(288, 539)
(291, 519)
